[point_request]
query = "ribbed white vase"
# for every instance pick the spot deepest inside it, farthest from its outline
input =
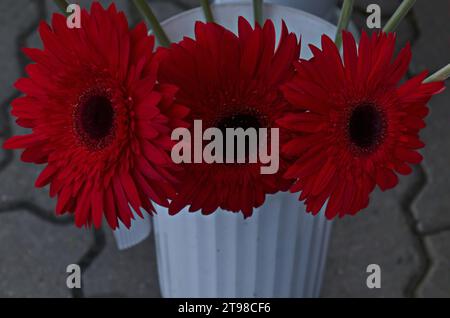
(322, 8)
(280, 251)
(140, 229)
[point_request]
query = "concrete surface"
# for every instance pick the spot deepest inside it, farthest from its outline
(406, 231)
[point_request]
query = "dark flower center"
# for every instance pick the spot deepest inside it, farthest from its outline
(244, 121)
(366, 127)
(94, 121)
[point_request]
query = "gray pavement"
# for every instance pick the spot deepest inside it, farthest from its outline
(406, 231)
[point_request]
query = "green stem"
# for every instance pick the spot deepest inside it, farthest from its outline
(207, 10)
(440, 75)
(344, 20)
(258, 11)
(62, 5)
(148, 14)
(398, 15)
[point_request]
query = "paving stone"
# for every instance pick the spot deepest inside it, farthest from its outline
(405, 31)
(437, 282)
(432, 52)
(17, 185)
(35, 255)
(360, 11)
(15, 18)
(387, 6)
(17, 178)
(432, 49)
(379, 235)
(163, 9)
(433, 204)
(129, 273)
(122, 5)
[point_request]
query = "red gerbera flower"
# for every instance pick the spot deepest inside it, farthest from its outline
(230, 81)
(99, 120)
(356, 126)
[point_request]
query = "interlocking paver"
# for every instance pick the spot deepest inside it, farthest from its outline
(433, 51)
(17, 185)
(385, 234)
(35, 255)
(437, 281)
(17, 178)
(378, 235)
(130, 273)
(433, 204)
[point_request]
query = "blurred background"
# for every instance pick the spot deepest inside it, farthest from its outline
(406, 231)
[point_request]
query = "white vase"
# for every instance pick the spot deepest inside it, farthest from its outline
(140, 229)
(281, 250)
(321, 8)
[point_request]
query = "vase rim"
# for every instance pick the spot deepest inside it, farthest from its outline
(219, 6)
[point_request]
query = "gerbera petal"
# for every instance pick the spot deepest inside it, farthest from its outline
(409, 156)
(222, 77)
(400, 66)
(386, 179)
(351, 134)
(98, 115)
(350, 54)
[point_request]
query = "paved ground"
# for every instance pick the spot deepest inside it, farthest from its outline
(405, 231)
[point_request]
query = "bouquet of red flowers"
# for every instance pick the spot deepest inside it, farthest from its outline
(108, 114)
